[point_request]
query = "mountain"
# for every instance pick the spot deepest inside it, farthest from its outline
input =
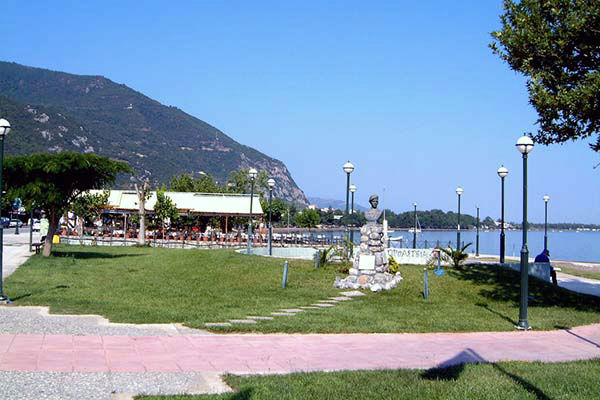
(336, 204)
(55, 111)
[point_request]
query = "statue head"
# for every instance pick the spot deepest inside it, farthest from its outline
(374, 200)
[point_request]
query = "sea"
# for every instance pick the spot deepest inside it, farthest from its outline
(563, 245)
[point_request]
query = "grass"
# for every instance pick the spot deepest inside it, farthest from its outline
(507, 380)
(146, 285)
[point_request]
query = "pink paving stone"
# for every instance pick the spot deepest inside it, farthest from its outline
(26, 343)
(5, 342)
(88, 343)
(166, 366)
(57, 342)
(56, 361)
(19, 361)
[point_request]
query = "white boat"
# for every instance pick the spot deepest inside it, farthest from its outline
(395, 238)
(412, 230)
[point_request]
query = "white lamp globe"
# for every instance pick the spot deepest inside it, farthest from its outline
(459, 190)
(524, 145)
(252, 173)
(271, 183)
(502, 171)
(353, 188)
(348, 167)
(546, 198)
(4, 127)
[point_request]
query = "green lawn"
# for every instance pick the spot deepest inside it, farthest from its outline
(508, 380)
(145, 285)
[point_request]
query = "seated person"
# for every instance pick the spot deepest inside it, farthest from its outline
(543, 257)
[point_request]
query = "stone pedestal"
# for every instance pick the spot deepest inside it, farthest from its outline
(370, 269)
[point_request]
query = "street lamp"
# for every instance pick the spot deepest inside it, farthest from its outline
(502, 173)
(271, 183)
(4, 129)
(525, 146)
(459, 192)
(477, 237)
(415, 228)
(252, 174)
(546, 200)
(352, 189)
(348, 168)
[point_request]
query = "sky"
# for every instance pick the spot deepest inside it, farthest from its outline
(408, 91)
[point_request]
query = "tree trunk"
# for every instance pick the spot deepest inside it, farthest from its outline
(52, 226)
(142, 234)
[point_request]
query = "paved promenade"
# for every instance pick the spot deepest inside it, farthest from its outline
(252, 354)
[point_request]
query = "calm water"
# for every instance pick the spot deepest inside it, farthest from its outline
(574, 246)
(567, 245)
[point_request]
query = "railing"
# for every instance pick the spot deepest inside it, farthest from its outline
(421, 244)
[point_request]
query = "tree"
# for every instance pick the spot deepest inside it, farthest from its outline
(54, 181)
(278, 207)
(143, 194)
(240, 182)
(308, 218)
(89, 206)
(164, 209)
(556, 45)
(187, 183)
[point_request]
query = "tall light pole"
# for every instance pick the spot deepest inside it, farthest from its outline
(525, 146)
(546, 200)
(459, 192)
(348, 168)
(271, 183)
(502, 173)
(477, 238)
(4, 129)
(352, 189)
(252, 174)
(415, 228)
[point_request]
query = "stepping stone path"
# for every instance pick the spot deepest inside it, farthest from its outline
(289, 312)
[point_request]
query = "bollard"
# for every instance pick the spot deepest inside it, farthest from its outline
(426, 284)
(317, 258)
(285, 272)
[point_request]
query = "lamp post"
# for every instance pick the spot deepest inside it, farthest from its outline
(502, 173)
(4, 129)
(348, 168)
(459, 192)
(252, 174)
(477, 237)
(525, 146)
(271, 183)
(352, 189)
(546, 200)
(415, 228)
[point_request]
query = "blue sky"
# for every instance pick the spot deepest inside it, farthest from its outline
(408, 91)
